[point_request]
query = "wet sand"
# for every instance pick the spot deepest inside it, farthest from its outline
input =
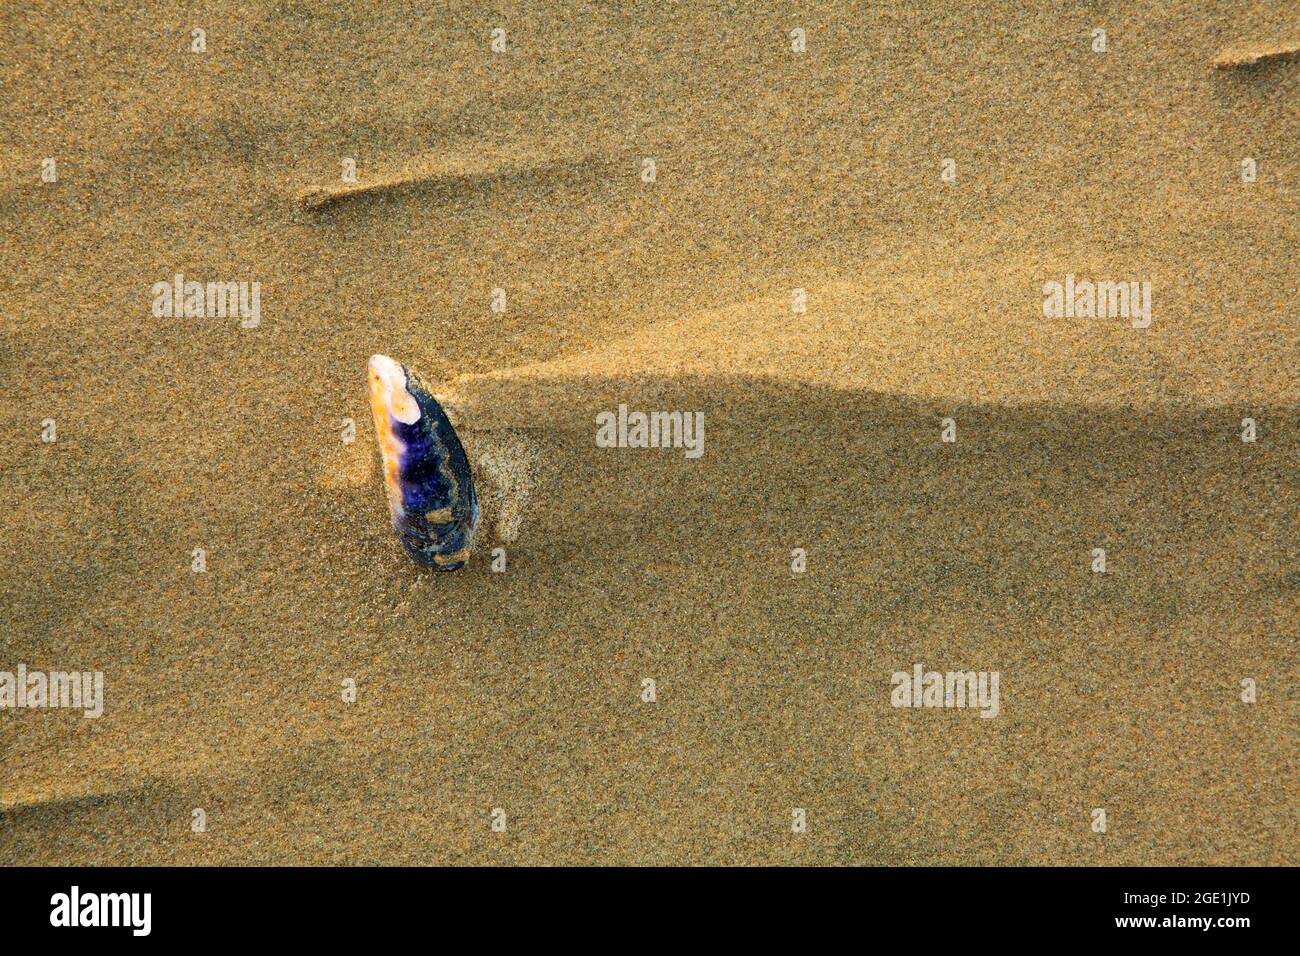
(774, 171)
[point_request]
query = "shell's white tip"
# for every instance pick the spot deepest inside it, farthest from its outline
(388, 387)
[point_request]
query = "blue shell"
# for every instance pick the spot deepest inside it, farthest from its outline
(438, 514)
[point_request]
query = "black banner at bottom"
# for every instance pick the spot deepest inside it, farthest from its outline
(336, 906)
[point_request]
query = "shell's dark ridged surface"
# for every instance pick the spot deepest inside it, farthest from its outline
(439, 512)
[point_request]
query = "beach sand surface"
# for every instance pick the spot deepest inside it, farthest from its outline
(774, 171)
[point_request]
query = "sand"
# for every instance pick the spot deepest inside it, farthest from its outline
(774, 171)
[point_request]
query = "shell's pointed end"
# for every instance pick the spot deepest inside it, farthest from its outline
(388, 390)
